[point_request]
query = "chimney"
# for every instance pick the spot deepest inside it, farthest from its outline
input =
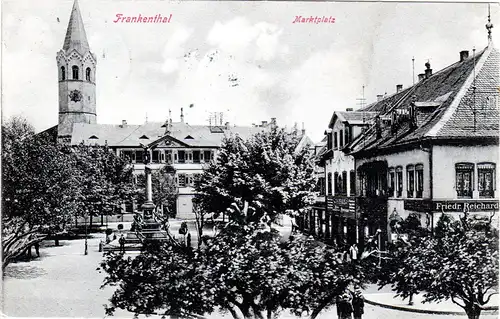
(349, 109)
(380, 97)
(399, 88)
(303, 129)
(124, 123)
(421, 77)
(464, 55)
(264, 123)
(428, 70)
(182, 115)
(273, 122)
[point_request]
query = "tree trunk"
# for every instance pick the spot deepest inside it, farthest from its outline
(56, 241)
(473, 311)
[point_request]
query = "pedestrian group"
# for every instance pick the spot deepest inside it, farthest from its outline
(350, 303)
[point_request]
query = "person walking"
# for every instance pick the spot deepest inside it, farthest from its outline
(358, 303)
(122, 244)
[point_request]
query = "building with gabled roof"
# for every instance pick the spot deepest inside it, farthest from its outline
(432, 149)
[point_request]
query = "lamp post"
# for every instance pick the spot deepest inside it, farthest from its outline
(86, 245)
(379, 232)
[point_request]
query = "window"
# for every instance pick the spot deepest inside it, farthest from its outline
(321, 186)
(352, 183)
(330, 183)
(410, 180)
(486, 179)
(190, 156)
(206, 156)
(341, 139)
(344, 183)
(74, 68)
(139, 156)
(196, 156)
(196, 179)
(181, 181)
(392, 176)
(329, 140)
(347, 137)
(335, 141)
(464, 179)
(419, 172)
(336, 183)
(399, 181)
(87, 74)
(181, 156)
(168, 157)
(176, 157)
(63, 73)
(162, 157)
(156, 157)
(190, 180)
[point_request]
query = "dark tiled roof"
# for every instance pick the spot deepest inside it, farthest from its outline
(437, 117)
(134, 135)
(356, 117)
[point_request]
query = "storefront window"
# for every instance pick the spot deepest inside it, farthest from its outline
(410, 180)
(419, 172)
(464, 179)
(486, 179)
(399, 181)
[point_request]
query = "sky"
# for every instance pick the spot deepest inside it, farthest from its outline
(247, 60)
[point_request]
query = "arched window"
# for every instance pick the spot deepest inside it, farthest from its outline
(74, 68)
(63, 73)
(87, 74)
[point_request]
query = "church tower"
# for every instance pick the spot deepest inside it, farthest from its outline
(76, 76)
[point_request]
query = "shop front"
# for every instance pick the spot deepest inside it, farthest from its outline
(342, 214)
(433, 209)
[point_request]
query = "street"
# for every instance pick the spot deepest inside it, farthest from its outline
(64, 282)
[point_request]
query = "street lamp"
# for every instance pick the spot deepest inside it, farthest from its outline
(379, 233)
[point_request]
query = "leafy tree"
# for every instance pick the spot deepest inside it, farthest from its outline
(460, 263)
(245, 271)
(38, 188)
(46, 185)
(265, 171)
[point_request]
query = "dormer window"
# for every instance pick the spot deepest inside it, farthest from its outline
(144, 137)
(189, 137)
(93, 137)
(74, 69)
(87, 74)
(63, 73)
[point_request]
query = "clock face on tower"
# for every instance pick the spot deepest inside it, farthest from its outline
(75, 95)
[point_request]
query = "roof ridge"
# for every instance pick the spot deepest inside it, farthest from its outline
(448, 113)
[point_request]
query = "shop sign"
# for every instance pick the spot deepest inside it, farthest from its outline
(341, 204)
(457, 206)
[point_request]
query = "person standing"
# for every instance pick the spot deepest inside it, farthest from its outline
(122, 244)
(344, 306)
(353, 251)
(358, 303)
(37, 249)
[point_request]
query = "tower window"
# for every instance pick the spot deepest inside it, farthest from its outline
(63, 73)
(74, 68)
(87, 74)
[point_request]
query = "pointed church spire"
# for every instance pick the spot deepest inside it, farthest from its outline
(75, 35)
